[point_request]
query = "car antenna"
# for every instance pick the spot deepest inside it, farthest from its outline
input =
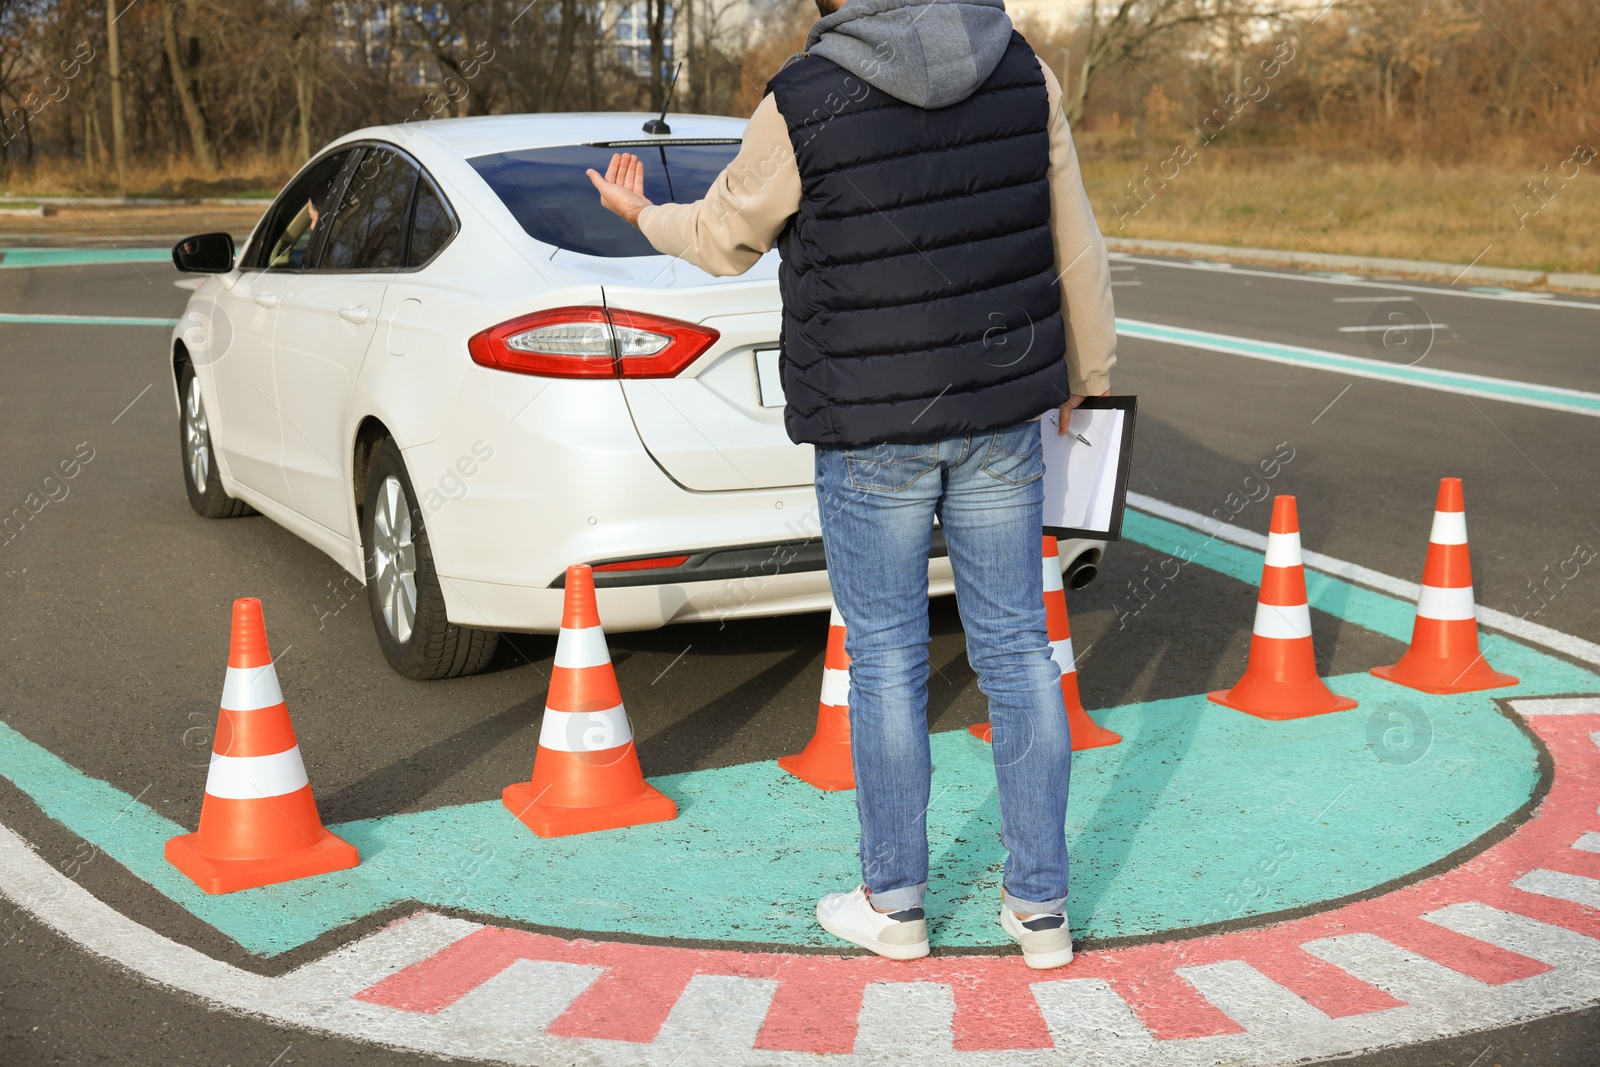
(659, 126)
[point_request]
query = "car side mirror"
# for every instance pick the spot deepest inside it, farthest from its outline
(206, 253)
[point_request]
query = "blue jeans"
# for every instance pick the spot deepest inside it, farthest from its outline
(878, 505)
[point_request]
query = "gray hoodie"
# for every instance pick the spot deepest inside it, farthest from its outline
(931, 53)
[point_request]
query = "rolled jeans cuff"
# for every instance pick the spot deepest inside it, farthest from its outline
(1034, 907)
(909, 896)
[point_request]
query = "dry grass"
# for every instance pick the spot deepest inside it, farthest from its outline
(1260, 198)
(1245, 196)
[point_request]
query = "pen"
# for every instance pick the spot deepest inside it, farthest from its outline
(1082, 438)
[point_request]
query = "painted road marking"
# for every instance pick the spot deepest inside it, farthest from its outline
(1559, 706)
(1353, 280)
(81, 257)
(1506, 390)
(1589, 842)
(1251, 999)
(1395, 326)
(717, 1013)
(1520, 934)
(1562, 886)
(85, 320)
(900, 1018)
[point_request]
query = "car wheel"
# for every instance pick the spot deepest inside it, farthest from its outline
(200, 475)
(403, 593)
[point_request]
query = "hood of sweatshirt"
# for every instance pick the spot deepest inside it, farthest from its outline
(931, 53)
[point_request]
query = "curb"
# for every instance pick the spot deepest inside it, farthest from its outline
(1365, 264)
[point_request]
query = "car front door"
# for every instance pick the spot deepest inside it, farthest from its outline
(326, 321)
(238, 358)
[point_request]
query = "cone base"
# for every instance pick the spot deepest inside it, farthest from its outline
(1443, 677)
(830, 771)
(1281, 701)
(547, 820)
(1095, 736)
(229, 876)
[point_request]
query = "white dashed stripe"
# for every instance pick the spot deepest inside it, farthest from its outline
(255, 777)
(1061, 652)
(1283, 550)
(1449, 528)
(585, 731)
(251, 688)
(1446, 605)
(835, 687)
(1283, 623)
(583, 647)
(1557, 706)
(1572, 887)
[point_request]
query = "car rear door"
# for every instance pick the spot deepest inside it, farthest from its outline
(327, 320)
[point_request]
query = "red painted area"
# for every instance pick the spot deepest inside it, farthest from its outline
(818, 998)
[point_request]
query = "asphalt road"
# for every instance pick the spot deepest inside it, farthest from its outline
(115, 596)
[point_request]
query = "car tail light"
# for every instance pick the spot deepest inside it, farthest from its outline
(591, 342)
(655, 563)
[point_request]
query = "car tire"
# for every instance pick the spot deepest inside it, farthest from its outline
(408, 612)
(200, 476)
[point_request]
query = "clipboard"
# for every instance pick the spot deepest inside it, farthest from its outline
(1086, 469)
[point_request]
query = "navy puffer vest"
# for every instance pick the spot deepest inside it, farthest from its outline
(918, 277)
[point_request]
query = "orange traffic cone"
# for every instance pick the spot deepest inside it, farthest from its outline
(258, 823)
(586, 773)
(1280, 680)
(825, 761)
(1086, 733)
(1444, 655)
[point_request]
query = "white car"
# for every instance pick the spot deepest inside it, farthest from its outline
(441, 362)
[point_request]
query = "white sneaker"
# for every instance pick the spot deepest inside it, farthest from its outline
(899, 935)
(1045, 939)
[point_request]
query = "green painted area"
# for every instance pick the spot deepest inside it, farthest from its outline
(1547, 396)
(1201, 814)
(86, 320)
(81, 257)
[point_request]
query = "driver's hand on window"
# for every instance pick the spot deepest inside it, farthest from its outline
(622, 188)
(311, 209)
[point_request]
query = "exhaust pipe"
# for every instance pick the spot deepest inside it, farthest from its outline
(1082, 570)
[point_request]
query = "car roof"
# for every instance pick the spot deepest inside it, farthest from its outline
(488, 134)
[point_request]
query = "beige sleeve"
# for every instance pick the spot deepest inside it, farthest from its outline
(745, 209)
(1081, 261)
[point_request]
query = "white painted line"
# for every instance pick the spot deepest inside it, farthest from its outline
(1354, 280)
(1397, 971)
(1084, 1013)
(1504, 621)
(364, 963)
(1395, 326)
(717, 1013)
(1562, 886)
(1552, 945)
(903, 1019)
(1589, 842)
(504, 1018)
(1558, 706)
(1251, 999)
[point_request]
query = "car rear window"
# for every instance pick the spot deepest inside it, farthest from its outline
(548, 192)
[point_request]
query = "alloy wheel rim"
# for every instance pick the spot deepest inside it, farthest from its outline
(196, 437)
(394, 557)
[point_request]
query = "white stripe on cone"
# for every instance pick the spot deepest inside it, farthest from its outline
(1052, 573)
(251, 688)
(256, 777)
(1449, 528)
(1446, 605)
(1061, 652)
(1283, 623)
(582, 647)
(834, 618)
(835, 687)
(1283, 550)
(585, 731)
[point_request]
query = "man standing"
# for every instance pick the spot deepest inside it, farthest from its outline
(944, 284)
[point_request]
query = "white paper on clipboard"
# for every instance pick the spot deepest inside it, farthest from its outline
(1080, 480)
